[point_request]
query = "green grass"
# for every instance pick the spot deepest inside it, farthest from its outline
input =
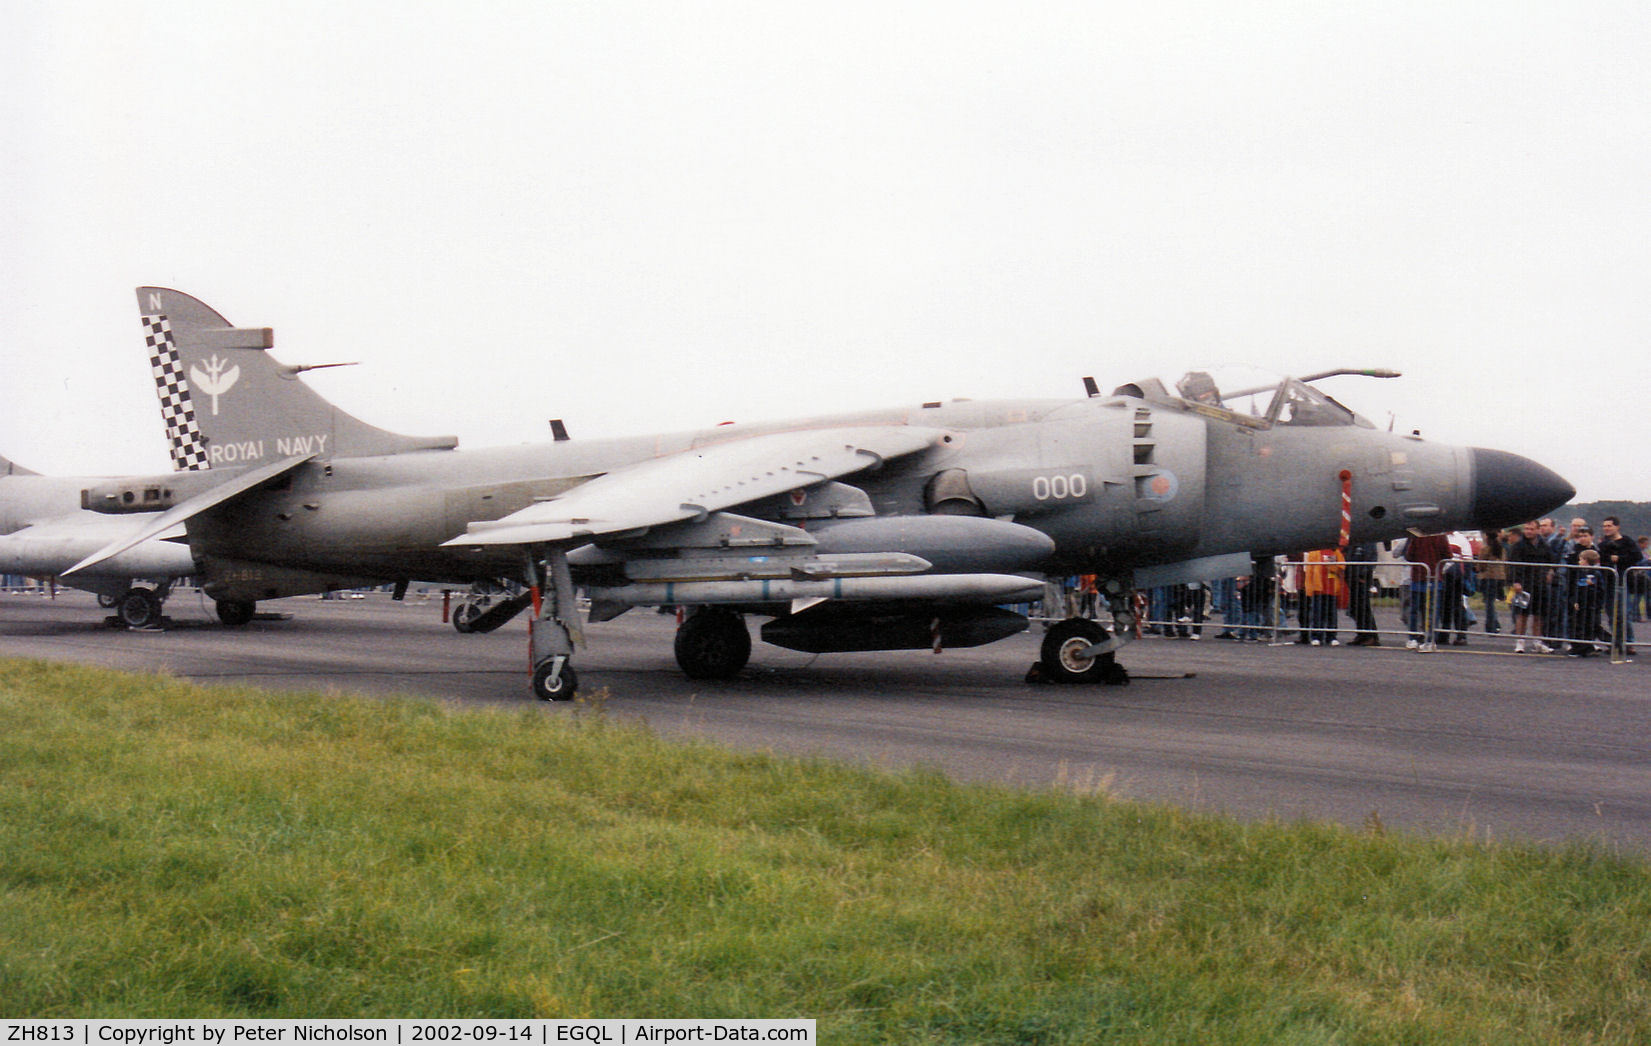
(170, 850)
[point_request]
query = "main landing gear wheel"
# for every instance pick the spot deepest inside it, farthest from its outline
(566, 685)
(138, 608)
(1064, 660)
(236, 612)
(713, 644)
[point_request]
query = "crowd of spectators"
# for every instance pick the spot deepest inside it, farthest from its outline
(1558, 589)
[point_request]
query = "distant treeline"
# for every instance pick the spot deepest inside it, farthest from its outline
(1635, 515)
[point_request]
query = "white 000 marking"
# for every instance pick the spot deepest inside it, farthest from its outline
(1047, 488)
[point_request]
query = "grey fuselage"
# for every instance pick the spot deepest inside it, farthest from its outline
(1117, 483)
(44, 531)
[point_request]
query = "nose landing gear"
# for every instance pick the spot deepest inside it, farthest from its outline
(1079, 650)
(1069, 655)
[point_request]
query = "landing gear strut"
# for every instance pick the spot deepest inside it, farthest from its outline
(555, 628)
(489, 605)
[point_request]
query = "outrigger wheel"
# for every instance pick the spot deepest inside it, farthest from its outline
(464, 618)
(1064, 660)
(566, 685)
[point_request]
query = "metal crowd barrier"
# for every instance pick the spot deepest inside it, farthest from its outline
(1451, 612)
(1633, 595)
(17, 585)
(1362, 609)
(1570, 611)
(1247, 607)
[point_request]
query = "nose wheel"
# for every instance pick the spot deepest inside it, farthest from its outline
(1066, 657)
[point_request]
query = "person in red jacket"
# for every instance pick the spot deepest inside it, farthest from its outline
(1422, 615)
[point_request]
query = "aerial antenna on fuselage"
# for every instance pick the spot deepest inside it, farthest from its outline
(1090, 388)
(1362, 372)
(292, 370)
(1365, 372)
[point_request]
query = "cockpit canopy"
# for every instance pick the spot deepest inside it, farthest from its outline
(1253, 398)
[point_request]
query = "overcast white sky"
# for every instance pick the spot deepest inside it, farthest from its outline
(647, 216)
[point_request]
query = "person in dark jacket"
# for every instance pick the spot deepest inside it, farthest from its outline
(1361, 574)
(1456, 584)
(1530, 572)
(1622, 553)
(1592, 587)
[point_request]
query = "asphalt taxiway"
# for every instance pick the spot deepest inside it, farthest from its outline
(1473, 743)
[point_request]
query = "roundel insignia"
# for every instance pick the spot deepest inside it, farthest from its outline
(798, 497)
(1162, 486)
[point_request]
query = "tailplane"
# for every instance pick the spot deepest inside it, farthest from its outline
(12, 468)
(227, 401)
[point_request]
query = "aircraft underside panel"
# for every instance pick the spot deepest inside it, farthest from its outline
(841, 628)
(239, 580)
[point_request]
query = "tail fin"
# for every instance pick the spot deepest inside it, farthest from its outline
(12, 468)
(227, 401)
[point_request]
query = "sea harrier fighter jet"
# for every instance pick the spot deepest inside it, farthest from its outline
(903, 528)
(44, 531)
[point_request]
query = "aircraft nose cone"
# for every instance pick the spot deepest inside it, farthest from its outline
(1509, 489)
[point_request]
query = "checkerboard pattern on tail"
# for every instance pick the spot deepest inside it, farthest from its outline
(178, 411)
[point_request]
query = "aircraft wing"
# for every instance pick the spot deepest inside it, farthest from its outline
(693, 483)
(192, 507)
